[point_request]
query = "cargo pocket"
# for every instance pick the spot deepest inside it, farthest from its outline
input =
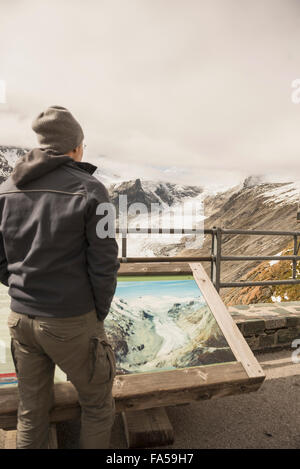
(102, 362)
(13, 323)
(14, 354)
(62, 332)
(13, 326)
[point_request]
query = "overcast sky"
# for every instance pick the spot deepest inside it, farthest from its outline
(183, 90)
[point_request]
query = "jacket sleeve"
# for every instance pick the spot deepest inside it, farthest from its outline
(3, 264)
(101, 252)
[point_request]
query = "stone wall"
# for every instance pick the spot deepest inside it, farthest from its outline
(268, 326)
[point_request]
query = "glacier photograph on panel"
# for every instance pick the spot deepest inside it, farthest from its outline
(155, 323)
(163, 323)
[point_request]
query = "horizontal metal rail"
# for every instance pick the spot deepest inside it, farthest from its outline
(216, 256)
(124, 231)
(206, 231)
(166, 259)
(261, 232)
(261, 258)
(262, 283)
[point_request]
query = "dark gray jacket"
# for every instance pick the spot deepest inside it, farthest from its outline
(50, 255)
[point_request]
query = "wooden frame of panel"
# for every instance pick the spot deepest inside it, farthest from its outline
(164, 388)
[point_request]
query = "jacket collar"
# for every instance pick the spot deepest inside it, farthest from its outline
(38, 162)
(84, 165)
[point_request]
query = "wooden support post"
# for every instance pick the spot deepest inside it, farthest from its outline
(52, 437)
(146, 428)
(10, 439)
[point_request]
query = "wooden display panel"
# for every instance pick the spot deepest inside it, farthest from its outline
(153, 389)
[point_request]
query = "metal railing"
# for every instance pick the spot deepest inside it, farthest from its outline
(216, 257)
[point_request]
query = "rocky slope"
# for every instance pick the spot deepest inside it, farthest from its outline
(163, 205)
(150, 192)
(263, 206)
(267, 270)
(8, 157)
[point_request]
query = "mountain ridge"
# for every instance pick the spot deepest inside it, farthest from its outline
(254, 204)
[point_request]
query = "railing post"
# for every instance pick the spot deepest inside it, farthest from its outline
(216, 257)
(212, 263)
(294, 260)
(124, 244)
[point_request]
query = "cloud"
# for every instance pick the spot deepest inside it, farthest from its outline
(203, 87)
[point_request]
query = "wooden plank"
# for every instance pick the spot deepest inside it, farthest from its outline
(52, 437)
(234, 337)
(150, 268)
(182, 386)
(10, 439)
(147, 428)
(162, 382)
(146, 390)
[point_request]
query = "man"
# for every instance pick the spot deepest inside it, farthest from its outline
(61, 268)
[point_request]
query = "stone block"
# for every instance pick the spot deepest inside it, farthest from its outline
(253, 342)
(253, 327)
(288, 335)
(275, 323)
(293, 321)
(267, 340)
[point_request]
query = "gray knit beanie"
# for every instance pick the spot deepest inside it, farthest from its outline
(57, 130)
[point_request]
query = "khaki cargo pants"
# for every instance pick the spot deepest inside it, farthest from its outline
(79, 346)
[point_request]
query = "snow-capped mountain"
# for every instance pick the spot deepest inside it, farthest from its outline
(255, 206)
(162, 192)
(256, 203)
(11, 154)
(283, 194)
(150, 192)
(165, 205)
(174, 204)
